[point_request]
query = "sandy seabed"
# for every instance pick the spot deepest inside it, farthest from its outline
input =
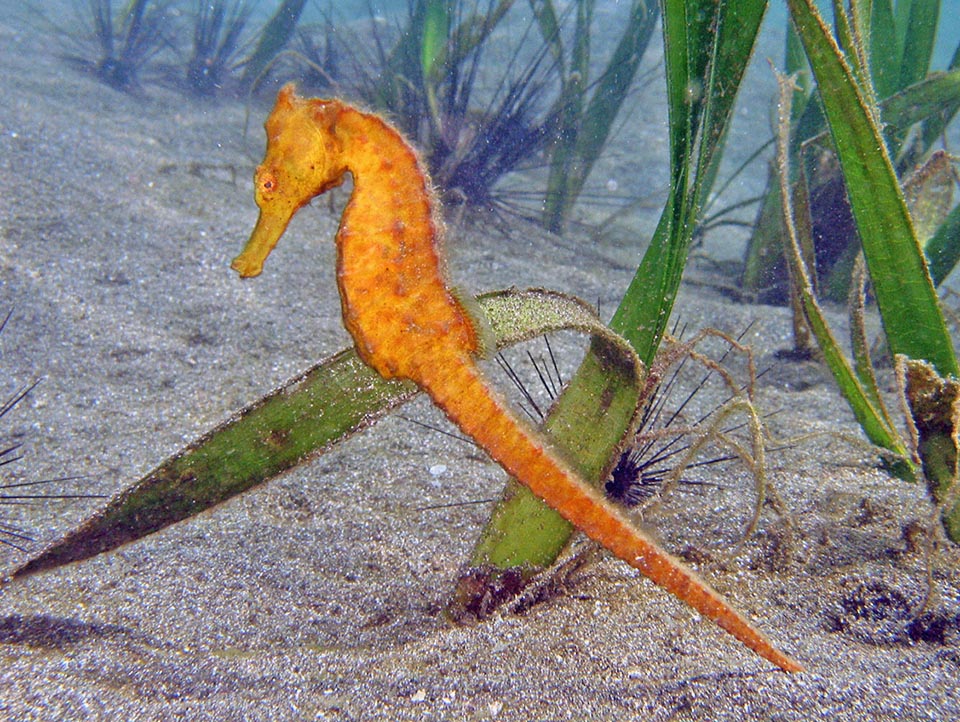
(320, 595)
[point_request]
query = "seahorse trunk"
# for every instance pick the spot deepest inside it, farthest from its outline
(463, 395)
(393, 288)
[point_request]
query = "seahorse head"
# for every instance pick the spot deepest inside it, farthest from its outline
(303, 159)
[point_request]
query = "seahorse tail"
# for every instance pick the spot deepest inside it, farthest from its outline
(467, 400)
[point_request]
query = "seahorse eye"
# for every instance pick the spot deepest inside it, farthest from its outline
(266, 181)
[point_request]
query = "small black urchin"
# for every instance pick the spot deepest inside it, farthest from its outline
(22, 492)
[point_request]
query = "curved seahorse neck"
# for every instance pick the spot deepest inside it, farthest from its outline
(398, 218)
(370, 149)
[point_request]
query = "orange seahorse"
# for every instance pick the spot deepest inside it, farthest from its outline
(407, 323)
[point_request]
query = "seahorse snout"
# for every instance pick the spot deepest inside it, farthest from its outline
(270, 226)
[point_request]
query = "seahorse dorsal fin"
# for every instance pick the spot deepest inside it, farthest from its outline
(287, 95)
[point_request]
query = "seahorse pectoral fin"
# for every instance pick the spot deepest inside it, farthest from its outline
(270, 226)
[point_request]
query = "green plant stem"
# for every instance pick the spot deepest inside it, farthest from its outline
(584, 125)
(943, 249)
(708, 46)
(863, 399)
(912, 320)
(587, 425)
(273, 38)
(908, 302)
(897, 66)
